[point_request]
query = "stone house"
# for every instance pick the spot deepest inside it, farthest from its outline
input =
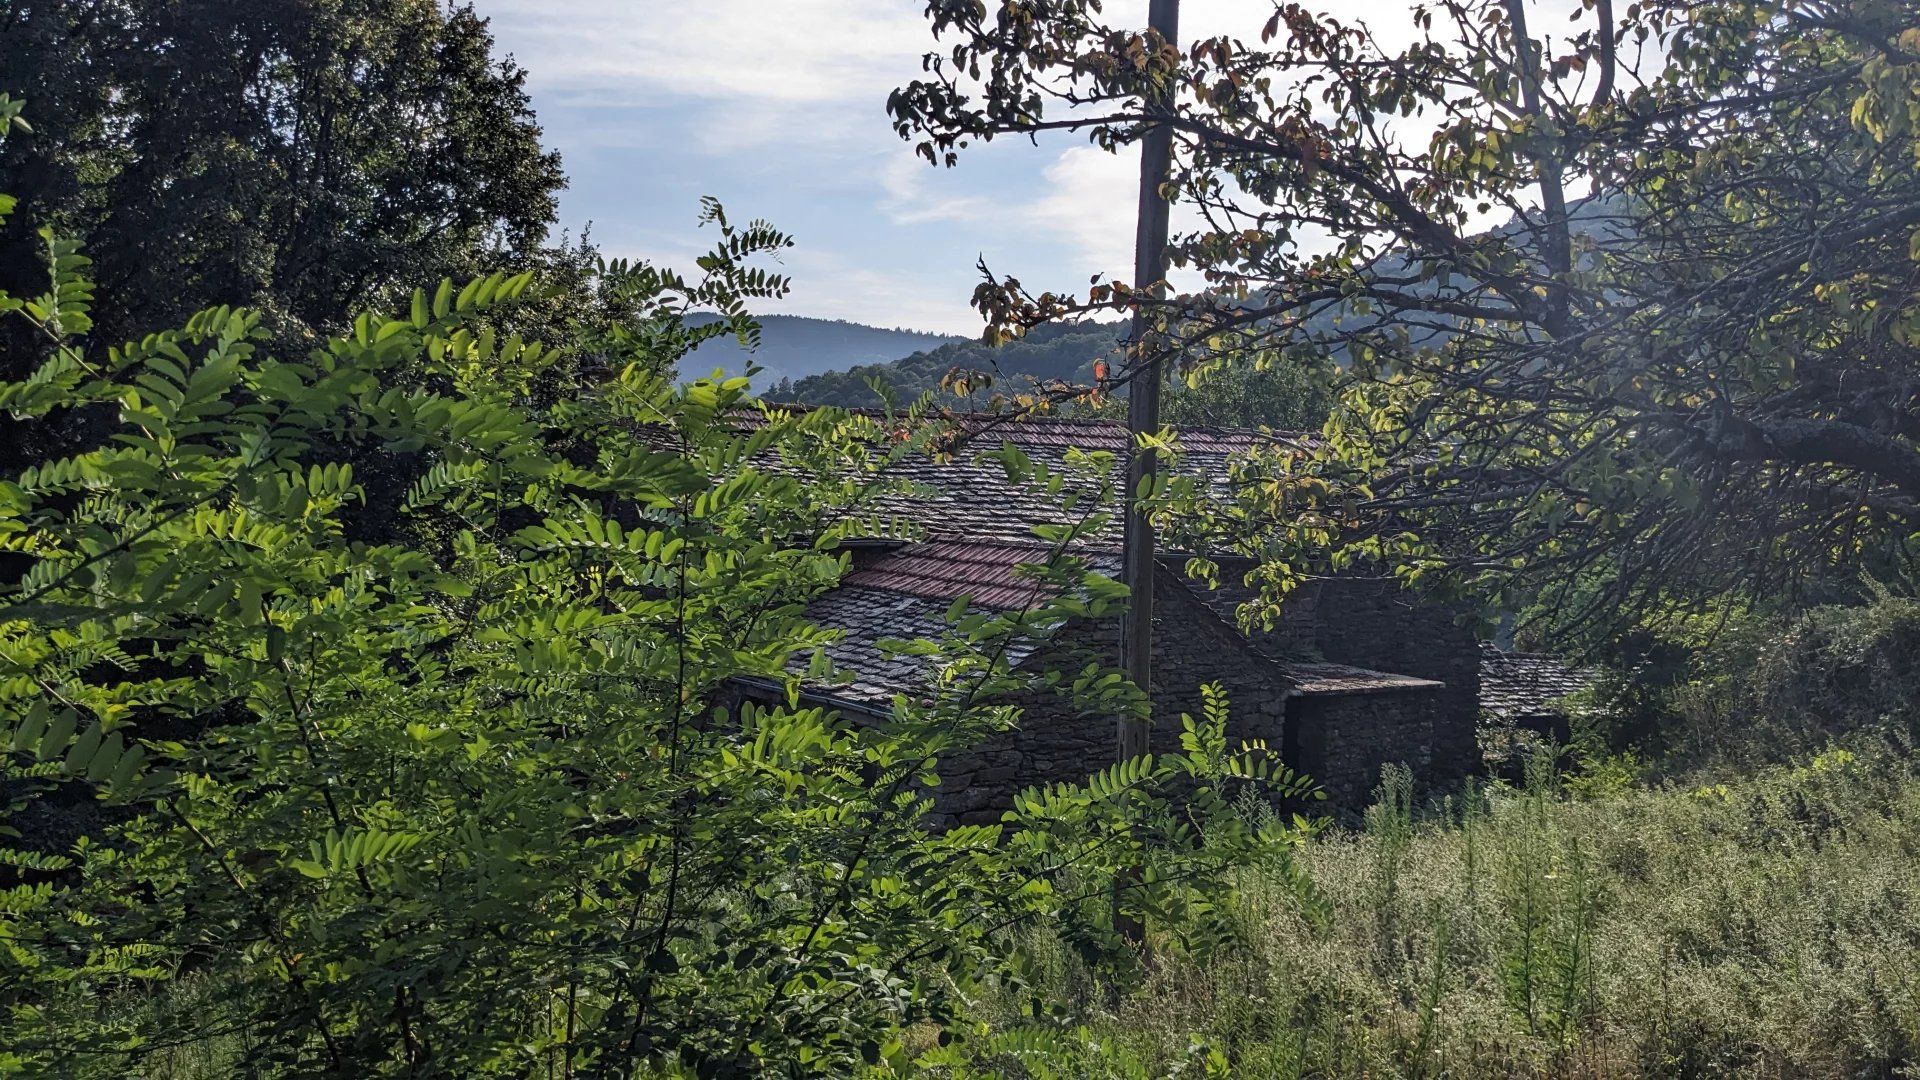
(1356, 674)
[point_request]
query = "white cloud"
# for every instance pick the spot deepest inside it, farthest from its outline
(756, 69)
(907, 183)
(1078, 221)
(779, 105)
(829, 285)
(1090, 202)
(1085, 200)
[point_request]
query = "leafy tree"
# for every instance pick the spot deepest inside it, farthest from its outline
(1249, 391)
(304, 157)
(483, 798)
(1695, 387)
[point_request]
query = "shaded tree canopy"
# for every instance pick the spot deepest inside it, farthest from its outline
(1699, 385)
(300, 156)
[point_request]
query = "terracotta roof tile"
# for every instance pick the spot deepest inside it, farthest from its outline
(906, 595)
(988, 573)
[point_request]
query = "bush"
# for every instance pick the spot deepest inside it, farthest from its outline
(1767, 690)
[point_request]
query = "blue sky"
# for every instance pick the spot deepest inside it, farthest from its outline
(778, 107)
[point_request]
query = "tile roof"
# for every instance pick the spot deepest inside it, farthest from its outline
(1515, 684)
(980, 526)
(1063, 432)
(869, 616)
(906, 596)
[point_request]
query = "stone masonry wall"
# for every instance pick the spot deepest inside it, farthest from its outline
(1383, 625)
(1055, 744)
(1387, 627)
(1344, 741)
(1341, 742)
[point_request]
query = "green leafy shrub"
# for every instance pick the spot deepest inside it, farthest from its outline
(1762, 689)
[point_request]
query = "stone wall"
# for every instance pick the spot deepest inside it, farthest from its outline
(1341, 741)
(1383, 625)
(1054, 743)
(1344, 741)
(1388, 627)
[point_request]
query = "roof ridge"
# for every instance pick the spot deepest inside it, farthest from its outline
(1050, 418)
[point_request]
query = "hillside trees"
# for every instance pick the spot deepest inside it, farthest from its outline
(479, 798)
(1293, 393)
(1049, 353)
(1629, 300)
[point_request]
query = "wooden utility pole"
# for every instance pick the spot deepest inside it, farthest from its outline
(1143, 388)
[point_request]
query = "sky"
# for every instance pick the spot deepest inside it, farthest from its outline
(778, 108)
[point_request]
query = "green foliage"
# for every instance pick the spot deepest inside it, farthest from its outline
(1765, 926)
(305, 158)
(301, 158)
(483, 796)
(1247, 389)
(1764, 687)
(1625, 300)
(1237, 386)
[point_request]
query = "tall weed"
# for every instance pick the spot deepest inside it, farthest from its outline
(1768, 926)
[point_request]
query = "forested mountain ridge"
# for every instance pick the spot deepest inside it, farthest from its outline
(1052, 351)
(1067, 351)
(1288, 393)
(798, 346)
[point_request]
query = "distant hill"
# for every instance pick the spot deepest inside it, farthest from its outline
(1294, 395)
(1067, 351)
(1052, 351)
(795, 346)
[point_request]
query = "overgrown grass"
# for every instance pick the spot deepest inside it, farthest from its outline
(1767, 927)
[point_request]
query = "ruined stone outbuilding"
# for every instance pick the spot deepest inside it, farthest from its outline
(1355, 674)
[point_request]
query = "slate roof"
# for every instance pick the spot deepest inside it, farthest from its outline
(988, 573)
(1319, 680)
(964, 497)
(979, 528)
(1516, 685)
(1062, 432)
(906, 595)
(868, 617)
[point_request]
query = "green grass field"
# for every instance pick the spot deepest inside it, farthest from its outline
(1769, 927)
